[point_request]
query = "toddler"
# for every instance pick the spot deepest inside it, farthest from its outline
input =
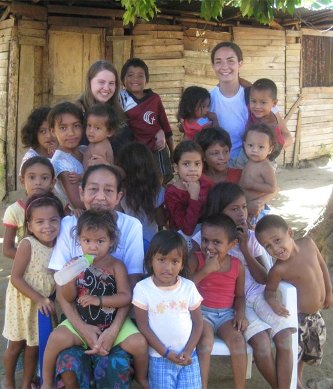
(258, 177)
(30, 286)
(216, 145)
(36, 135)
(37, 177)
(102, 123)
(146, 114)
(97, 292)
(263, 97)
(185, 198)
(167, 311)
(300, 263)
(220, 280)
(193, 111)
(65, 120)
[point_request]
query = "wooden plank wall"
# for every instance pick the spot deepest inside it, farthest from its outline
(161, 47)
(6, 31)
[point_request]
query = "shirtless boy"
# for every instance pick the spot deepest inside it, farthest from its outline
(300, 263)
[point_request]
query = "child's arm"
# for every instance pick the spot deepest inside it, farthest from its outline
(185, 357)
(257, 270)
(20, 264)
(240, 321)
(142, 321)
(120, 299)
(71, 190)
(273, 280)
(213, 118)
(212, 264)
(69, 291)
(328, 302)
(288, 139)
(8, 245)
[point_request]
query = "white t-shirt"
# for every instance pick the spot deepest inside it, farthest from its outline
(65, 162)
(129, 249)
(149, 228)
(252, 287)
(232, 114)
(168, 310)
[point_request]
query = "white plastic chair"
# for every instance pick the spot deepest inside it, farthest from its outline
(288, 298)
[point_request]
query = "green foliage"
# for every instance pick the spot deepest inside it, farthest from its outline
(262, 10)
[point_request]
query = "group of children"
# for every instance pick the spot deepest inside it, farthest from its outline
(204, 271)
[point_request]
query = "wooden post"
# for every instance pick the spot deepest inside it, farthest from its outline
(13, 78)
(297, 138)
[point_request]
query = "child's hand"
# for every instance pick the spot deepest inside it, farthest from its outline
(88, 300)
(193, 189)
(45, 306)
(184, 359)
(328, 303)
(213, 118)
(173, 357)
(97, 160)
(160, 140)
(74, 178)
(243, 236)
(278, 308)
(240, 322)
(212, 262)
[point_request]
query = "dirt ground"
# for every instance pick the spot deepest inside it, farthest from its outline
(303, 194)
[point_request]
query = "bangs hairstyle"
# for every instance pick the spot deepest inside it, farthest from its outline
(163, 243)
(186, 146)
(37, 160)
(213, 136)
(109, 168)
(44, 200)
(93, 220)
(88, 98)
(262, 129)
(220, 196)
(232, 46)
(270, 221)
(189, 101)
(112, 119)
(142, 179)
(30, 129)
(224, 222)
(65, 107)
(136, 63)
(265, 84)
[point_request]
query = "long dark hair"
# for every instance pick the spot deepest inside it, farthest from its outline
(142, 181)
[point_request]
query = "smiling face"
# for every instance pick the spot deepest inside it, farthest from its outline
(189, 167)
(278, 242)
(135, 80)
(100, 191)
(97, 130)
(217, 157)
(95, 242)
(226, 65)
(103, 86)
(166, 267)
(44, 224)
(37, 179)
(261, 102)
(215, 242)
(257, 146)
(47, 142)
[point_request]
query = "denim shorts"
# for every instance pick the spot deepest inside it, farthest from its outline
(216, 317)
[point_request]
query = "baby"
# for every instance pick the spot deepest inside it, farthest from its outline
(258, 179)
(102, 123)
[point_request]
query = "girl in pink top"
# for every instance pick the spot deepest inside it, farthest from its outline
(220, 280)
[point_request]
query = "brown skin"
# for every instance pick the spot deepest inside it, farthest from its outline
(8, 245)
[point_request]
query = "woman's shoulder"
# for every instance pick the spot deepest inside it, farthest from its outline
(126, 221)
